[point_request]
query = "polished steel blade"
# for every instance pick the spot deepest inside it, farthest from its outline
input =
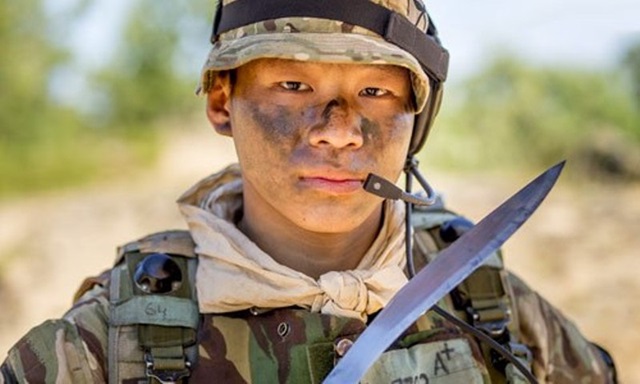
(440, 276)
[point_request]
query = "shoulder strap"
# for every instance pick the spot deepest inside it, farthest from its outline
(484, 299)
(154, 313)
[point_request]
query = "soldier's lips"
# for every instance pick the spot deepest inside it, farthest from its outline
(330, 185)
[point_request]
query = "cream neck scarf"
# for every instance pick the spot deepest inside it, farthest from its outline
(234, 274)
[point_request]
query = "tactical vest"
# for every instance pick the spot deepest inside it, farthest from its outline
(161, 337)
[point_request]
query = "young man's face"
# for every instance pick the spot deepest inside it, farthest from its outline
(307, 135)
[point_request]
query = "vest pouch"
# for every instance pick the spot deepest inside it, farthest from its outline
(450, 361)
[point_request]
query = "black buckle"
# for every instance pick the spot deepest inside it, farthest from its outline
(166, 376)
(494, 328)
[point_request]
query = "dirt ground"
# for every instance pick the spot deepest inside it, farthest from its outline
(580, 249)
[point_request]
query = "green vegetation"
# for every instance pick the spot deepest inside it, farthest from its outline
(142, 84)
(29, 121)
(515, 115)
(45, 143)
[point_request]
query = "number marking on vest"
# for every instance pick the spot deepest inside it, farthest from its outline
(154, 310)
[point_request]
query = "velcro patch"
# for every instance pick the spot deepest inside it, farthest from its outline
(440, 362)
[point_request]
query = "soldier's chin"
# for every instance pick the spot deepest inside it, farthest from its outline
(334, 220)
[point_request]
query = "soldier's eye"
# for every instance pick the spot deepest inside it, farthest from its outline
(294, 86)
(375, 92)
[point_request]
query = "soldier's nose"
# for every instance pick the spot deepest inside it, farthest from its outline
(340, 126)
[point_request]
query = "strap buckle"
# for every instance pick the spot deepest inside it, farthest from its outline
(167, 376)
(493, 320)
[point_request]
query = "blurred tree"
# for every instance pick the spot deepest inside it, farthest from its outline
(27, 60)
(514, 114)
(45, 143)
(143, 82)
(631, 63)
(34, 49)
(32, 125)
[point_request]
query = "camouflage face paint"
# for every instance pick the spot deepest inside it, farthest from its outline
(285, 136)
(278, 123)
(371, 132)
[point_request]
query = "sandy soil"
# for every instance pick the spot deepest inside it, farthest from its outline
(579, 249)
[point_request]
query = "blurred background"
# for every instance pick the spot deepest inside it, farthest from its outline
(100, 132)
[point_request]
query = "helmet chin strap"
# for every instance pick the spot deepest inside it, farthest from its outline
(384, 188)
(411, 171)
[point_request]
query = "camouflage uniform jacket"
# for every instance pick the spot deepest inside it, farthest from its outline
(74, 349)
(294, 345)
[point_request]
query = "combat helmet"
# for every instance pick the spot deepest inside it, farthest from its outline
(397, 32)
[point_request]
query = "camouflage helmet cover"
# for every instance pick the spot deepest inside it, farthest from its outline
(320, 40)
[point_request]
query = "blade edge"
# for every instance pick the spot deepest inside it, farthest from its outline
(508, 217)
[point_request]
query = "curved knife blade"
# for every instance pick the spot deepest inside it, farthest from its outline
(440, 276)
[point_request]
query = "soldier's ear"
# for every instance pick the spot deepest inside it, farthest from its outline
(218, 99)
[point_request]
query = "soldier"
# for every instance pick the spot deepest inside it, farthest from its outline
(287, 258)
